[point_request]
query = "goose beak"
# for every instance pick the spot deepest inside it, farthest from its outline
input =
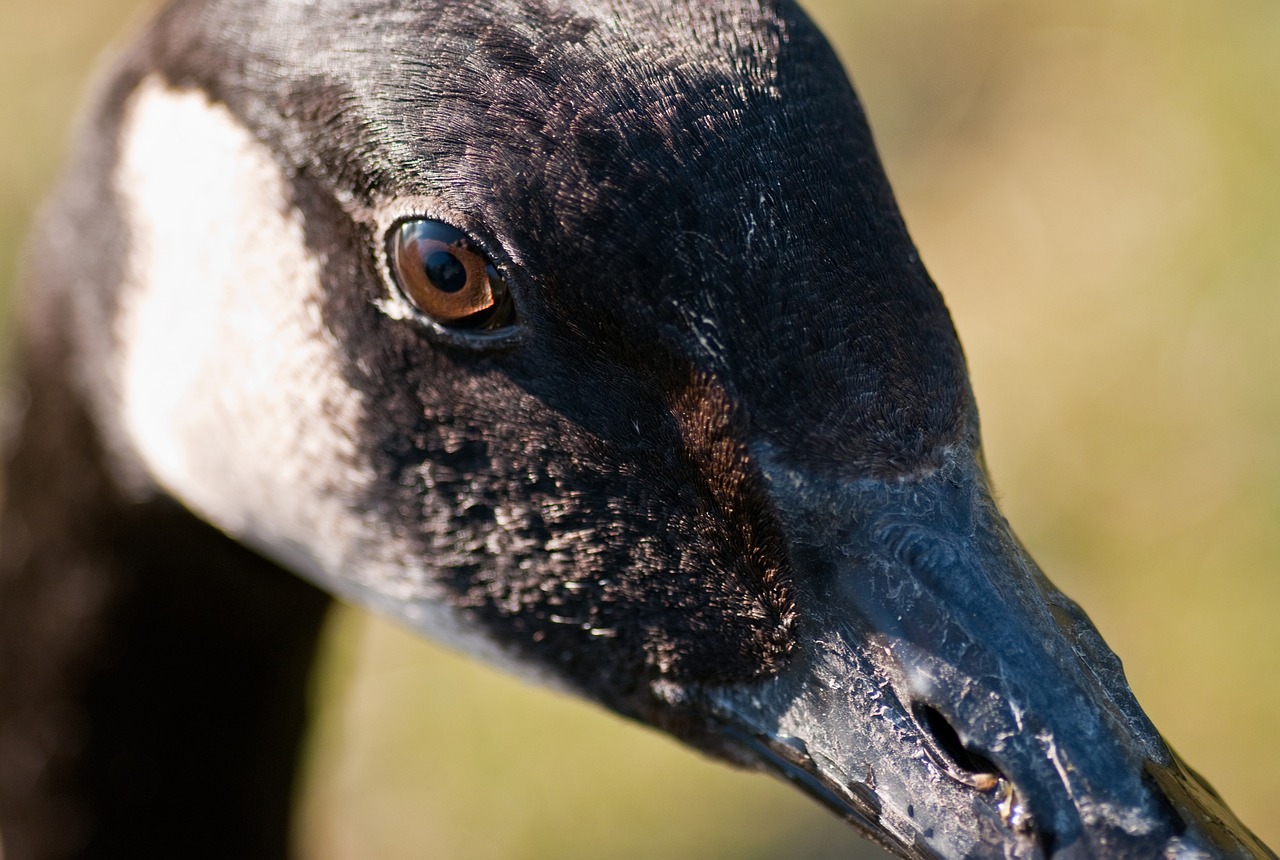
(947, 700)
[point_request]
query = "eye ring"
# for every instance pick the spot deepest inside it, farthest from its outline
(449, 279)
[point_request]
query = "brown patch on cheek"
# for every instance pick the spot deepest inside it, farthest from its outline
(733, 502)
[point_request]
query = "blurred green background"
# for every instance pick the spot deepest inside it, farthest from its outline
(1096, 188)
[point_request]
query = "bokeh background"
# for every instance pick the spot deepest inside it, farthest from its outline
(1096, 188)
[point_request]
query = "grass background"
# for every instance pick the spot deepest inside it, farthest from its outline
(1096, 188)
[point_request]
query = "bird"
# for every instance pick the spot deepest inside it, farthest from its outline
(497, 318)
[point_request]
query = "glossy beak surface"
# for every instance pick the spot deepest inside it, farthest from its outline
(947, 700)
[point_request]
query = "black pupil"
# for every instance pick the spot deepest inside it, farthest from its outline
(446, 272)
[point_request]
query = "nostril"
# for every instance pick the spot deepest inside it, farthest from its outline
(970, 767)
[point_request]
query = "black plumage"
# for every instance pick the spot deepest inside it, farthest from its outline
(731, 437)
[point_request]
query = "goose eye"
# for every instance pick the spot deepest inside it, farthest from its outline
(443, 274)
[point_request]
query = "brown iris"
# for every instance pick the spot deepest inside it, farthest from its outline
(445, 276)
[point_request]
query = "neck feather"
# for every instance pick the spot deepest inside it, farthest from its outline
(153, 672)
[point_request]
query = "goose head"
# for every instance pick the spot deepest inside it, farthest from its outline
(588, 338)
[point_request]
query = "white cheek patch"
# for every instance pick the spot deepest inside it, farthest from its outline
(232, 391)
(232, 385)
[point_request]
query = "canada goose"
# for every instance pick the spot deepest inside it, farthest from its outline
(211, 195)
